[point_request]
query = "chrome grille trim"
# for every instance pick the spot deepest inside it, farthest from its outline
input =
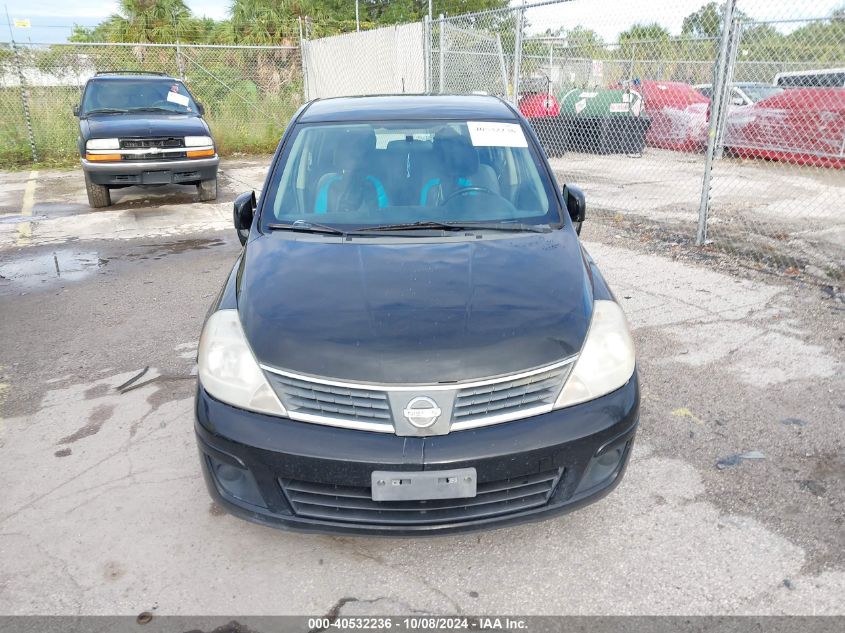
(452, 386)
(333, 405)
(509, 400)
(366, 406)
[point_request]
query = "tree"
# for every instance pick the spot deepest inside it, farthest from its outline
(707, 21)
(146, 21)
(645, 33)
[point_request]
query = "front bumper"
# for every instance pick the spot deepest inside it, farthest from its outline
(317, 478)
(152, 172)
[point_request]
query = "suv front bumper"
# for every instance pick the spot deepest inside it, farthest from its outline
(297, 475)
(160, 172)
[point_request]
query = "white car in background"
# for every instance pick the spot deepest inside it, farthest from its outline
(743, 93)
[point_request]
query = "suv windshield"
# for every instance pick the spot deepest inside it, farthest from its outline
(359, 175)
(137, 94)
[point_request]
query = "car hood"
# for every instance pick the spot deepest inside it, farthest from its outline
(142, 124)
(414, 312)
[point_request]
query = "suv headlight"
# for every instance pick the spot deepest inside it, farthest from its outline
(198, 141)
(607, 360)
(228, 370)
(103, 143)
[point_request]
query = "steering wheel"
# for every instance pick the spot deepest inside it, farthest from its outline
(501, 200)
(466, 190)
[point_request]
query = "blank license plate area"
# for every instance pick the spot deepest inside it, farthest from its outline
(418, 486)
(156, 177)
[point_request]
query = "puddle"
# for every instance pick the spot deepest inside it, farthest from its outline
(17, 219)
(65, 264)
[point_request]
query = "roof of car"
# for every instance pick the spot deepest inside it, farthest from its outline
(132, 76)
(407, 107)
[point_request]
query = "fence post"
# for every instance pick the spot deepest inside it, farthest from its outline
(503, 66)
(25, 102)
(442, 29)
(517, 51)
(179, 65)
(733, 52)
(302, 60)
(720, 72)
(427, 52)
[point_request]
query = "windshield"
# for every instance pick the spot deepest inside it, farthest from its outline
(357, 175)
(134, 94)
(758, 93)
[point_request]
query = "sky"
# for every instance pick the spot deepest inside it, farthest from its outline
(52, 20)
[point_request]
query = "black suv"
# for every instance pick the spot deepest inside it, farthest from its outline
(143, 129)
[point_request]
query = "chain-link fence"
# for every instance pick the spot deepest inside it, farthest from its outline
(698, 123)
(687, 120)
(249, 93)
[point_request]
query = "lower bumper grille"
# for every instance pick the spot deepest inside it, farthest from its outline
(354, 504)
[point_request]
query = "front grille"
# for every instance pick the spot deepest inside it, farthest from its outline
(374, 408)
(354, 504)
(155, 157)
(308, 400)
(507, 399)
(145, 143)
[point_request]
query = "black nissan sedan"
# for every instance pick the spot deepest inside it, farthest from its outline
(413, 340)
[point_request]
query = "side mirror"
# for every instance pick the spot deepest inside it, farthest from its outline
(243, 212)
(76, 111)
(576, 205)
(201, 109)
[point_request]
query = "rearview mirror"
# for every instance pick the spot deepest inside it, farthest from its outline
(243, 212)
(576, 205)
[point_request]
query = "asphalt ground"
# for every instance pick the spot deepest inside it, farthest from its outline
(733, 502)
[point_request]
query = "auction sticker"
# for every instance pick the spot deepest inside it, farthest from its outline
(175, 97)
(493, 134)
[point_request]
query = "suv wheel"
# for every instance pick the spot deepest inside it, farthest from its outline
(98, 195)
(207, 190)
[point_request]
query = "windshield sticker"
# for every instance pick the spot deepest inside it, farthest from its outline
(492, 134)
(175, 97)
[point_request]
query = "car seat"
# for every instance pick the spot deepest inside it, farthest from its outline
(458, 166)
(350, 187)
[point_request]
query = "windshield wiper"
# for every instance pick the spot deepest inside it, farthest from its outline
(107, 111)
(150, 109)
(460, 226)
(305, 227)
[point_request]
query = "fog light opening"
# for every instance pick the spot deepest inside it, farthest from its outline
(236, 482)
(603, 466)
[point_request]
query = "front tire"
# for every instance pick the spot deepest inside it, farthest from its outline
(207, 190)
(98, 195)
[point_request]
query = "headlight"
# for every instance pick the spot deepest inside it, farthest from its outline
(227, 369)
(198, 141)
(606, 361)
(103, 143)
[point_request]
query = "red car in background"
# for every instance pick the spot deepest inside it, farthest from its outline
(678, 116)
(804, 126)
